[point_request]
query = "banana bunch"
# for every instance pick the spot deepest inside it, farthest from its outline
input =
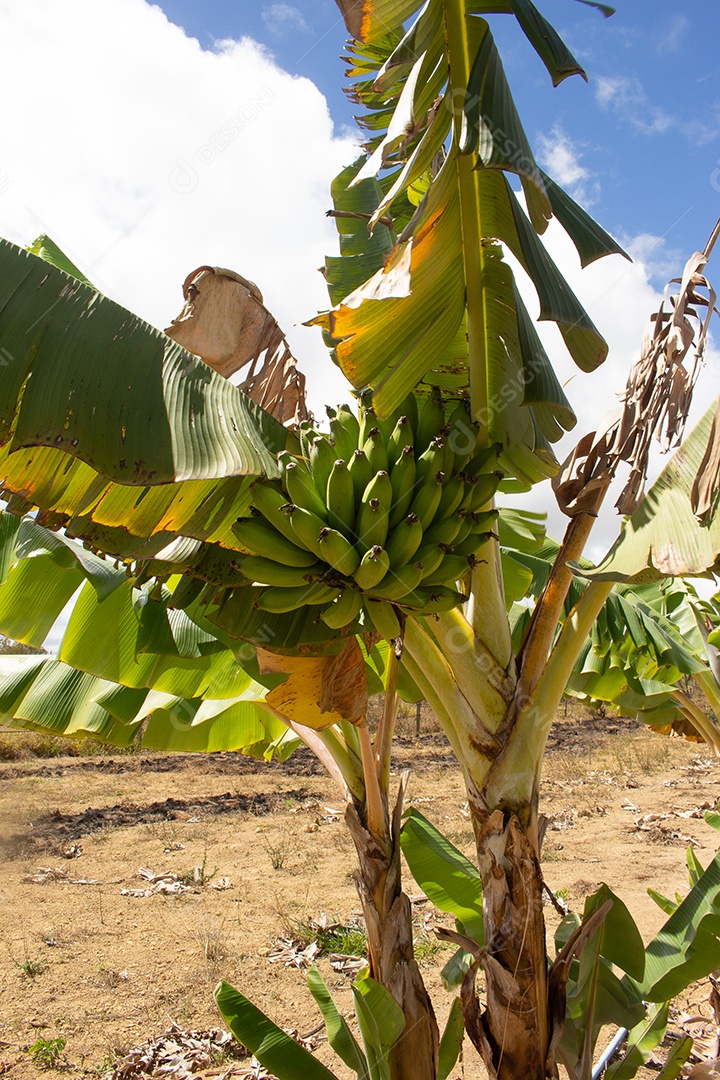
(373, 520)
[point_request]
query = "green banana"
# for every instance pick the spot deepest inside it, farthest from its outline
(340, 499)
(398, 583)
(278, 600)
(409, 408)
(306, 433)
(483, 520)
(345, 430)
(430, 420)
(372, 523)
(387, 426)
(337, 550)
(469, 493)
(430, 555)
(322, 459)
(430, 462)
(404, 540)
(461, 434)
(484, 461)
(368, 421)
(384, 618)
(344, 610)
(301, 489)
(452, 568)
(402, 479)
(432, 600)
(484, 490)
(374, 447)
(426, 502)
(453, 493)
(448, 462)
(467, 525)
(259, 538)
(472, 544)
(307, 527)
(402, 435)
(274, 507)
(444, 530)
(361, 474)
(373, 567)
(264, 571)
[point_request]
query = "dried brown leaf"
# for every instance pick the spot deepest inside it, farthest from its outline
(344, 684)
(225, 322)
(655, 405)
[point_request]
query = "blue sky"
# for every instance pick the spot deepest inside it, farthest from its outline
(645, 130)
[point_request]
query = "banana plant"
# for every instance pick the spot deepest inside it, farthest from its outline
(441, 309)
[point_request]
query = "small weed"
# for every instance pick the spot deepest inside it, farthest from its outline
(562, 894)
(214, 947)
(652, 756)
(104, 1066)
(346, 940)
(426, 948)
(30, 968)
(47, 1053)
(279, 852)
(199, 874)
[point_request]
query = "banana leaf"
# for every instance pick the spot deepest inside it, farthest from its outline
(105, 421)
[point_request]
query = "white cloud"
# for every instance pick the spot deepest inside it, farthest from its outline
(625, 95)
(562, 159)
(283, 18)
(672, 36)
(659, 260)
(146, 156)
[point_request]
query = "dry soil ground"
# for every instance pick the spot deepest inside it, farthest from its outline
(86, 959)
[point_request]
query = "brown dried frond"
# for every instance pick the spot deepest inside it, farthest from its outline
(655, 403)
(225, 322)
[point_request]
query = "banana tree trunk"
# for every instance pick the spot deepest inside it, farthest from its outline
(388, 918)
(514, 1034)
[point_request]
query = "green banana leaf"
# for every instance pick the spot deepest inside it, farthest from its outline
(40, 693)
(381, 1022)
(595, 995)
(687, 947)
(641, 1041)
(436, 97)
(277, 1051)
(447, 878)
(339, 1034)
(46, 248)
(451, 1042)
(118, 428)
(679, 1054)
(663, 537)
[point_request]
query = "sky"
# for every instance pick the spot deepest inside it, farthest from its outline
(148, 140)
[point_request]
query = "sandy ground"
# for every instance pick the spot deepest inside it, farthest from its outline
(84, 959)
